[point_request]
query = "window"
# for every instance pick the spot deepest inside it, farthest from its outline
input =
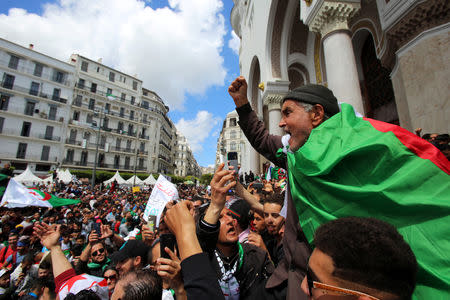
(48, 133)
(105, 123)
(69, 156)
(72, 136)
(52, 113)
(13, 62)
(91, 104)
(111, 76)
(84, 158)
(38, 69)
(128, 145)
(4, 101)
(102, 141)
(78, 101)
(145, 104)
(144, 118)
(89, 119)
(141, 163)
(122, 112)
(135, 85)
(45, 152)
(34, 89)
(94, 88)
(56, 94)
(58, 76)
(8, 81)
(232, 122)
(132, 115)
(119, 127)
(142, 147)
(2, 120)
(123, 97)
(29, 108)
(133, 99)
(130, 129)
(84, 66)
(21, 150)
(81, 83)
(118, 142)
(109, 91)
(233, 146)
(127, 162)
(107, 108)
(76, 116)
(86, 136)
(232, 134)
(116, 161)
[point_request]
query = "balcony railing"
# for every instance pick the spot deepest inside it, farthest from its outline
(25, 90)
(49, 138)
(165, 145)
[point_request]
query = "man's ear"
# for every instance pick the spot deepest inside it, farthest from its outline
(137, 260)
(317, 115)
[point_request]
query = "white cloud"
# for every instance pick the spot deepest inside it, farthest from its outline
(234, 43)
(197, 130)
(175, 50)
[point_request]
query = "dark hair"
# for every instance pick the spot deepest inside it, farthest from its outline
(426, 136)
(83, 295)
(369, 252)
(145, 284)
(274, 198)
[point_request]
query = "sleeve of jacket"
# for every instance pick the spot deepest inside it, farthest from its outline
(207, 235)
(200, 280)
(258, 136)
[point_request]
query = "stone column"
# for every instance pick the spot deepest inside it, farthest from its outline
(273, 103)
(331, 21)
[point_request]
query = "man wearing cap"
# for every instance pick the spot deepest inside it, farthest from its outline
(132, 256)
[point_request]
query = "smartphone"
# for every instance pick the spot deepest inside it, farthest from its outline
(167, 240)
(232, 158)
(151, 222)
(97, 228)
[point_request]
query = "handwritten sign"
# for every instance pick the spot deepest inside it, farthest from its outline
(163, 192)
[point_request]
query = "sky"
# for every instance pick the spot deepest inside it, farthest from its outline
(184, 50)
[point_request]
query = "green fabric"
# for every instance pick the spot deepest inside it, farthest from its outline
(348, 168)
(274, 173)
(3, 188)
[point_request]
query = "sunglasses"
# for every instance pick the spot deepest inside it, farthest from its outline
(98, 252)
(313, 284)
(112, 277)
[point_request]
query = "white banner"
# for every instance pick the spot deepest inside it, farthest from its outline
(163, 192)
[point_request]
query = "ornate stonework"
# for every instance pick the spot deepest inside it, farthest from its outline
(333, 15)
(273, 101)
(317, 44)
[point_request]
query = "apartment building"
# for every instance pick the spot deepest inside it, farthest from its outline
(184, 159)
(35, 95)
(79, 114)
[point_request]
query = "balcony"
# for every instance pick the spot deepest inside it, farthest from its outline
(165, 145)
(73, 142)
(25, 90)
(87, 89)
(49, 138)
(143, 136)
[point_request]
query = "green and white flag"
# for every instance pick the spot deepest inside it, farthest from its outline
(17, 195)
(111, 97)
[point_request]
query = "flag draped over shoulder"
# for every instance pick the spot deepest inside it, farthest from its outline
(17, 195)
(353, 166)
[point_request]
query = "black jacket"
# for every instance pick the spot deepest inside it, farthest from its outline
(256, 268)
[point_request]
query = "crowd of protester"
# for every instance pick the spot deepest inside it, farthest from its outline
(223, 241)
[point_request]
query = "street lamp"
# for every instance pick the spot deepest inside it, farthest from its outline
(102, 110)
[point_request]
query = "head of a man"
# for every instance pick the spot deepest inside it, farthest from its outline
(305, 108)
(272, 218)
(4, 278)
(240, 211)
(227, 233)
(98, 253)
(132, 256)
(12, 240)
(138, 285)
(364, 255)
(45, 269)
(258, 222)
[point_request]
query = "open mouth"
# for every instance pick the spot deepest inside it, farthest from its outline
(231, 230)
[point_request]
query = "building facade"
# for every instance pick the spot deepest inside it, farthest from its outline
(186, 164)
(232, 139)
(79, 114)
(35, 92)
(389, 59)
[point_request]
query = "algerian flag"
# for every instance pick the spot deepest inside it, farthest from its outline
(2, 188)
(17, 195)
(353, 166)
(269, 172)
(82, 282)
(111, 97)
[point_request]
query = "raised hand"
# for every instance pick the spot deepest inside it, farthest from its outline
(219, 186)
(48, 234)
(238, 91)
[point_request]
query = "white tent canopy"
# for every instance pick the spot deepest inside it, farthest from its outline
(28, 178)
(150, 180)
(117, 178)
(137, 182)
(65, 176)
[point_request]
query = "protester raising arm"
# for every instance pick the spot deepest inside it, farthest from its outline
(255, 205)
(200, 280)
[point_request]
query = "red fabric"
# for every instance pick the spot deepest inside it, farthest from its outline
(417, 145)
(116, 227)
(63, 277)
(4, 256)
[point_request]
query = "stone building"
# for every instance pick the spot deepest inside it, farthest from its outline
(184, 158)
(388, 58)
(35, 94)
(57, 114)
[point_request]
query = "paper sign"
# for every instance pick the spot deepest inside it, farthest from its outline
(163, 192)
(136, 189)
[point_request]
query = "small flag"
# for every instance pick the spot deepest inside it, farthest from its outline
(17, 195)
(111, 97)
